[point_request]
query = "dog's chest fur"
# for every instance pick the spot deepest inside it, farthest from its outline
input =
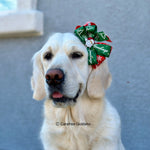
(74, 137)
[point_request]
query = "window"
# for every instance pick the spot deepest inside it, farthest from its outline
(20, 18)
(8, 5)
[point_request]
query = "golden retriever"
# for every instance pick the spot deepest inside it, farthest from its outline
(76, 114)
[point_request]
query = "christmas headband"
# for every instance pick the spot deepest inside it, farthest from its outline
(92, 39)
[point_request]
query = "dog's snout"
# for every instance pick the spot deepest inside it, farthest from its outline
(54, 77)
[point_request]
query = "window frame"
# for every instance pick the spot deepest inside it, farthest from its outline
(24, 21)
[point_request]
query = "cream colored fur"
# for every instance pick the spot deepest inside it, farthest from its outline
(103, 133)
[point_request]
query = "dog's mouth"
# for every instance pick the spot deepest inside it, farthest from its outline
(60, 100)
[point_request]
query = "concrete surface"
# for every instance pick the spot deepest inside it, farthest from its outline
(127, 23)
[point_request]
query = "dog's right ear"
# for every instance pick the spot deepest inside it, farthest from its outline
(37, 79)
(99, 80)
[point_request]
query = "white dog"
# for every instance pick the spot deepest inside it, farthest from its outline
(76, 114)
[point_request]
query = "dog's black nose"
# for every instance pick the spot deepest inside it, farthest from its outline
(54, 77)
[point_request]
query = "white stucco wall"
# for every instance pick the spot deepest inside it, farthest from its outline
(127, 23)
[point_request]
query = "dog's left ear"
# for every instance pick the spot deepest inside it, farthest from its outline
(99, 80)
(37, 79)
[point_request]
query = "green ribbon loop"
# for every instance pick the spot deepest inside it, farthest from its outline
(81, 34)
(92, 57)
(85, 33)
(102, 49)
(91, 31)
(101, 36)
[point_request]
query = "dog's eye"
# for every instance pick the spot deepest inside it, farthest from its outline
(76, 55)
(48, 56)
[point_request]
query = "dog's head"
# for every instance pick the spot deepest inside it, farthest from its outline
(61, 72)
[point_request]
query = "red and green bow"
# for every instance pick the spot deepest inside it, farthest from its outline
(97, 51)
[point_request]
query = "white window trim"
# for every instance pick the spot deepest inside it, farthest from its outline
(24, 21)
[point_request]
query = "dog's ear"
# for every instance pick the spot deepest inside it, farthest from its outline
(37, 79)
(99, 80)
